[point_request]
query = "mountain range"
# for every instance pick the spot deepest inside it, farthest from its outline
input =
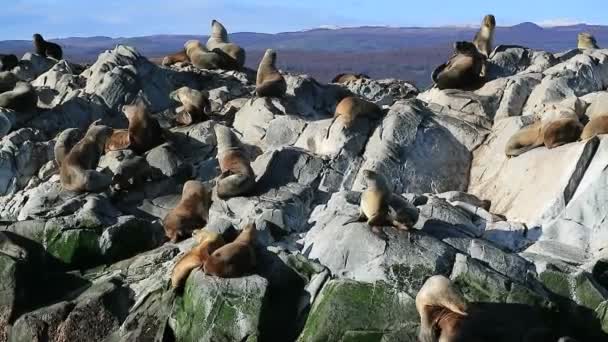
(409, 53)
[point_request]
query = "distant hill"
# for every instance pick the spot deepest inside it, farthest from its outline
(409, 53)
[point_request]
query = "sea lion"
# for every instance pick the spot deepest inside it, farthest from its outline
(192, 211)
(8, 81)
(484, 38)
(587, 41)
(269, 81)
(77, 170)
(207, 243)
(47, 49)
(234, 259)
(446, 316)
(347, 77)
(178, 57)
(350, 108)
(22, 98)
(195, 105)
(376, 202)
(143, 134)
(219, 39)
(65, 142)
(441, 308)
(237, 177)
(8, 62)
(202, 58)
(552, 133)
(463, 70)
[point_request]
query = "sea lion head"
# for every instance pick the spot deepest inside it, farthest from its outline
(489, 21)
(226, 139)
(137, 109)
(218, 31)
(98, 134)
(374, 179)
(270, 57)
(586, 40)
(197, 191)
(37, 37)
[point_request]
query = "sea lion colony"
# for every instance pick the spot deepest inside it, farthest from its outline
(444, 312)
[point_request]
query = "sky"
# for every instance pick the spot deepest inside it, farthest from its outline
(129, 18)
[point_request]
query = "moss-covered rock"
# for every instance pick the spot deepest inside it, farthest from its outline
(347, 310)
(219, 310)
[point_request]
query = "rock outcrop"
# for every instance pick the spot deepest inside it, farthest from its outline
(528, 231)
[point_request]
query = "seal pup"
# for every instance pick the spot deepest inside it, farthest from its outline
(178, 57)
(586, 41)
(463, 70)
(192, 211)
(77, 170)
(195, 105)
(269, 81)
(484, 38)
(207, 243)
(8, 62)
(219, 39)
(375, 205)
(202, 58)
(47, 49)
(143, 134)
(347, 77)
(237, 177)
(22, 98)
(234, 259)
(442, 310)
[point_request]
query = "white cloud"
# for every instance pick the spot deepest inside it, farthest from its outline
(558, 22)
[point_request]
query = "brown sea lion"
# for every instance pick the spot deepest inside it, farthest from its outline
(463, 70)
(178, 57)
(143, 134)
(207, 243)
(269, 81)
(376, 202)
(484, 38)
(22, 98)
(446, 316)
(350, 108)
(47, 49)
(442, 310)
(347, 77)
(586, 41)
(234, 259)
(219, 40)
(8, 81)
(65, 142)
(237, 177)
(561, 131)
(192, 212)
(195, 105)
(77, 171)
(202, 58)
(8, 62)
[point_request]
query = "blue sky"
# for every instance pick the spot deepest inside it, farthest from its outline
(126, 18)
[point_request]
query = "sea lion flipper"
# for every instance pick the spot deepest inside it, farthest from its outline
(358, 218)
